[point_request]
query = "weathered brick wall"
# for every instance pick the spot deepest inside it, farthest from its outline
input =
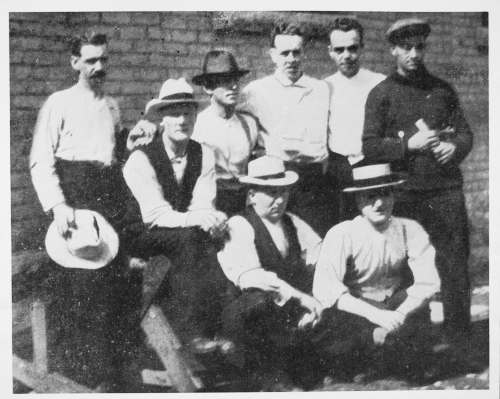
(147, 48)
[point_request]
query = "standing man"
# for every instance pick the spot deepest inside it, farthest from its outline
(73, 164)
(292, 109)
(172, 180)
(350, 86)
(231, 134)
(414, 120)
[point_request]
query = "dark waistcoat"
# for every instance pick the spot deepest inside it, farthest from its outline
(292, 268)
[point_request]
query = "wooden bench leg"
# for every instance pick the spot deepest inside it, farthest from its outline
(39, 333)
(162, 338)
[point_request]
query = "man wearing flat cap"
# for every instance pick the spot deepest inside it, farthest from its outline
(414, 121)
(231, 134)
(270, 256)
(172, 181)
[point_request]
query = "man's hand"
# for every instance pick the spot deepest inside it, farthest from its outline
(388, 319)
(313, 311)
(444, 151)
(142, 133)
(207, 219)
(424, 139)
(64, 216)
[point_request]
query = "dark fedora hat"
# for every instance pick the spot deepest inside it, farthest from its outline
(407, 27)
(218, 63)
(375, 176)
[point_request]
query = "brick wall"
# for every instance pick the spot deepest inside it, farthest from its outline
(147, 48)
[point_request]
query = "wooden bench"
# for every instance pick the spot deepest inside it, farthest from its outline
(180, 368)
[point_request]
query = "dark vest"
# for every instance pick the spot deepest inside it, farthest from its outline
(291, 269)
(178, 195)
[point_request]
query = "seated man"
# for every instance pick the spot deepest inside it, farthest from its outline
(269, 257)
(376, 272)
(173, 182)
(230, 133)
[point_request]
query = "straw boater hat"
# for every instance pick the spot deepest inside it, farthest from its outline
(173, 91)
(218, 64)
(268, 171)
(91, 245)
(407, 27)
(373, 176)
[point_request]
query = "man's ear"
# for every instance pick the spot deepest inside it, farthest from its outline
(330, 51)
(208, 91)
(393, 50)
(74, 61)
(272, 53)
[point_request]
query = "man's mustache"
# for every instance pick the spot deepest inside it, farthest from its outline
(98, 74)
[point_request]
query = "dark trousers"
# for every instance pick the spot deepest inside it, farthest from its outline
(340, 172)
(342, 332)
(443, 215)
(192, 292)
(231, 196)
(311, 197)
(269, 334)
(90, 328)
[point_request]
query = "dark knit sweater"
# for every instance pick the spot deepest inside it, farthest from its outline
(394, 105)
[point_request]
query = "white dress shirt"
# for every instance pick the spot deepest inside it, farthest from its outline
(357, 258)
(72, 125)
(241, 264)
(155, 210)
(227, 138)
(293, 115)
(347, 112)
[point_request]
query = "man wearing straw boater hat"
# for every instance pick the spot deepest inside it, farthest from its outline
(231, 134)
(414, 120)
(269, 256)
(376, 272)
(172, 181)
(76, 174)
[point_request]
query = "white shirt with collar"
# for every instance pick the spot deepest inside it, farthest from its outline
(229, 141)
(241, 264)
(347, 113)
(293, 115)
(73, 125)
(155, 210)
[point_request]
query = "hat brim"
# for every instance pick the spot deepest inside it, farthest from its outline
(420, 29)
(201, 79)
(57, 248)
(396, 182)
(153, 106)
(290, 178)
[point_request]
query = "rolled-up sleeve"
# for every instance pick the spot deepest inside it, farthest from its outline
(42, 156)
(422, 262)
(330, 270)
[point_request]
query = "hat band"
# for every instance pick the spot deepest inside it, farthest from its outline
(179, 96)
(279, 175)
(375, 180)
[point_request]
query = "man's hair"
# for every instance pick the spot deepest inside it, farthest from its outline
(77, 42)
(286, 28)
(345, 24)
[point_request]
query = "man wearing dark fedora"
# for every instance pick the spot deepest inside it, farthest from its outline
(172, 184)
(269, 256)
(415, 122)
(376, 272)
(231, 134)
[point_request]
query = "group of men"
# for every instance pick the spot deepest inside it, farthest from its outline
(245, 199)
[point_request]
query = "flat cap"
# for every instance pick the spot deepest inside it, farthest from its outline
(407, 27)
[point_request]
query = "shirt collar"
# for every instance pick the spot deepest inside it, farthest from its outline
(303, 81)
(173, 158)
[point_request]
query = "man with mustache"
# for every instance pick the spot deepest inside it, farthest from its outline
(231, 134)
(414, 120)
(292, 109)
(74, 165)
(350, 87)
